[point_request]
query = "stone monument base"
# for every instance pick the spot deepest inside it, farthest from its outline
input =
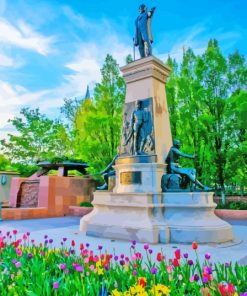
(190, 217)
(127, 216)
(171, 217)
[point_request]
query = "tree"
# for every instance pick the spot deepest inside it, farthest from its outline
(98, 123)
(5, 164)
(202, 93)
(38, 138)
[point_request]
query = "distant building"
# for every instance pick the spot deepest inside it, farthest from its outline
(87, 96)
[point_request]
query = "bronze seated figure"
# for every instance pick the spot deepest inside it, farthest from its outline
(178, 178)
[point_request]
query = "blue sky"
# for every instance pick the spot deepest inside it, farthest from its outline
(51, 49)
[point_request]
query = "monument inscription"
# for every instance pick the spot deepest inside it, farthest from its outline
(129, 178)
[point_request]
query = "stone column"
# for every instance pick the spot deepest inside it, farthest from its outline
(146, 78)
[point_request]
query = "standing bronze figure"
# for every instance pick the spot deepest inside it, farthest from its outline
(143, 35)
(137, 132)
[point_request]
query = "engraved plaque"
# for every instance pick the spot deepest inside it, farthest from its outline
(129, 178)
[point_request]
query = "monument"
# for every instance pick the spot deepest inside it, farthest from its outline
(137, 209)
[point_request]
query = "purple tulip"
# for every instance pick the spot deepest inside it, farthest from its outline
(134, 272)
(30, 256)
(62, 266)
(190, 262)
(51, 241)
(107, 267)
(153, 270)
(64, 239)
(150, 251)
(205, 280)
(134, 242)
(45, 236)
(146, 246)
(186, 255)
(28, 233)
(196, 277)
(100, 247)
(55, 285)
(207, 256)
(116, 258)
(122, 262)
(79, 268)
(87, 245)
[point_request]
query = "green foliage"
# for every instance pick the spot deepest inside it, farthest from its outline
(5, 164)
(129, 59)
(208, 106)
(86, 204)
(233, 205)
(38, 138)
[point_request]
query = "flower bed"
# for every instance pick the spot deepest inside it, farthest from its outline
(33, 269)
(231, 214)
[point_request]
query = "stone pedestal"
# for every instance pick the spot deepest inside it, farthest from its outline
(139, 177)
(127, 216)
(190, 217)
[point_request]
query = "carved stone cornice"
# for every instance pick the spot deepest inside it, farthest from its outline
(145, 68)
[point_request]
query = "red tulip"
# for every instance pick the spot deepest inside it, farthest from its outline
(72, 243)
(160, 257)
(176, 262)
(178, 254)
(142, 282)
(194, 245)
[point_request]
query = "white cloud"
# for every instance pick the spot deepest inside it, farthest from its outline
(89, 58)
(12, 99)
(6, 61)
(25, 37)
(84, 66)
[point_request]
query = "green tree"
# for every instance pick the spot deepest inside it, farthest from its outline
(204, 101)
(98, 122)
(5, 164)
(37, 138)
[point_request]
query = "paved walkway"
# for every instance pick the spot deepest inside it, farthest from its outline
(58, 228)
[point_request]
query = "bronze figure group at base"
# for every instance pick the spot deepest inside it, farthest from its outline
(176, 179)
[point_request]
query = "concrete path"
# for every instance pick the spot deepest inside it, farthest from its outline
(58, 228)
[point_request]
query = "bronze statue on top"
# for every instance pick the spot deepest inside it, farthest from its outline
(143, 35)
(178, 178)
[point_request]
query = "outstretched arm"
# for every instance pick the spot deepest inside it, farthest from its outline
(178, 152)
(151, 12)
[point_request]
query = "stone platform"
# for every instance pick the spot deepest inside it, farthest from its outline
(126, 216)
(181, 217)
(190, 217)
